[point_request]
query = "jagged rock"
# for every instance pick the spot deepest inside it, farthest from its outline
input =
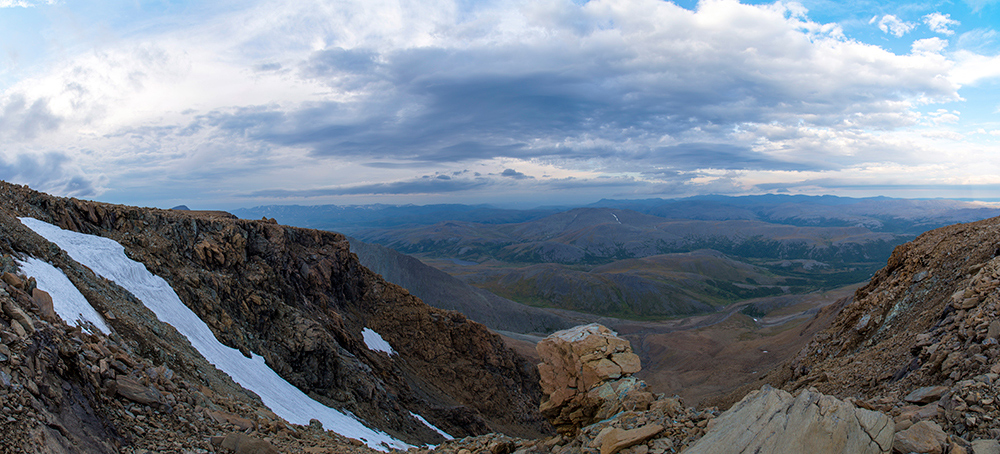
(585, 375)
(926, 394)
(923, 437)
(773, 421)
(617, 439)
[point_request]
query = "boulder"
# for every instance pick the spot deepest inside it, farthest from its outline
(926, 394)
(586, 376)
(986, 447)
(773, 421)
(923, 437)
(240, 443)
(12, 280)
(43, 300)
(617, 439)
(137, 392)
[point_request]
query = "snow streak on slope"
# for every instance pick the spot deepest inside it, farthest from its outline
(432, 426)
(375, 342)
(107, 258)
(67, 300)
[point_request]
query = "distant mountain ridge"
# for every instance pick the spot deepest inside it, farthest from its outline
(910, 216)
(562, 257)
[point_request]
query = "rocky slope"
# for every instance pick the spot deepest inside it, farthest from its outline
(69, 390)
(919, 342)
(300, 299)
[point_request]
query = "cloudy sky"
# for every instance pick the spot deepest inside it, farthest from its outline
(227, 104)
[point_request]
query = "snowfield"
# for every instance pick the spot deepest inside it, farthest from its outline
(107, 258)
(67, 300)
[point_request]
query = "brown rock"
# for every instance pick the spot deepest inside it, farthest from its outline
(923, 437)
(44, 302)
(136, 392)
(994, 330)
(241, 443)
(926, 394)
(618, 439)
(15, 313)
(12, 280)
(222, 417)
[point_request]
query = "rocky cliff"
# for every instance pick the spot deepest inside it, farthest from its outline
(919, 341)
(301, 300)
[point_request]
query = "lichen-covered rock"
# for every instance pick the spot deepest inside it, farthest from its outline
(773, 421)
(586, 375)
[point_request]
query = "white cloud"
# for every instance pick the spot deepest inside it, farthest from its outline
(893, 25)
(929, 45)
(980, 40)
(296, 93)
(24, 3)
(939, 23)
(971, 67)
(941, 134)
(995, 132)
(943, 116)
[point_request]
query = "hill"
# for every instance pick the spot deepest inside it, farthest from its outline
(295, 299)
(441, 290)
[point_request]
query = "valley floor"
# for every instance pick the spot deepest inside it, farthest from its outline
(703, 358)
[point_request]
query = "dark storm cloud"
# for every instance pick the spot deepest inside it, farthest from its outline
(511, 173)
(608, 99)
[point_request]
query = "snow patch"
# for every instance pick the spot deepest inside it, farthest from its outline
(375, 342)
(616, 218)
(421, 419)
(67, 300)
(107, 258)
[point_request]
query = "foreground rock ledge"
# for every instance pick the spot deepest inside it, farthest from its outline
(773, 421)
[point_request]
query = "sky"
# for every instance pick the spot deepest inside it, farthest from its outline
(229, 104)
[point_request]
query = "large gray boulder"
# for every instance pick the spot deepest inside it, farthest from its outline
(773, 421)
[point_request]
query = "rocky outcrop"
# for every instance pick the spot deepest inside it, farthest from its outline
(773, 421)
(586, 376)
(920, 340)
(301, 300)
